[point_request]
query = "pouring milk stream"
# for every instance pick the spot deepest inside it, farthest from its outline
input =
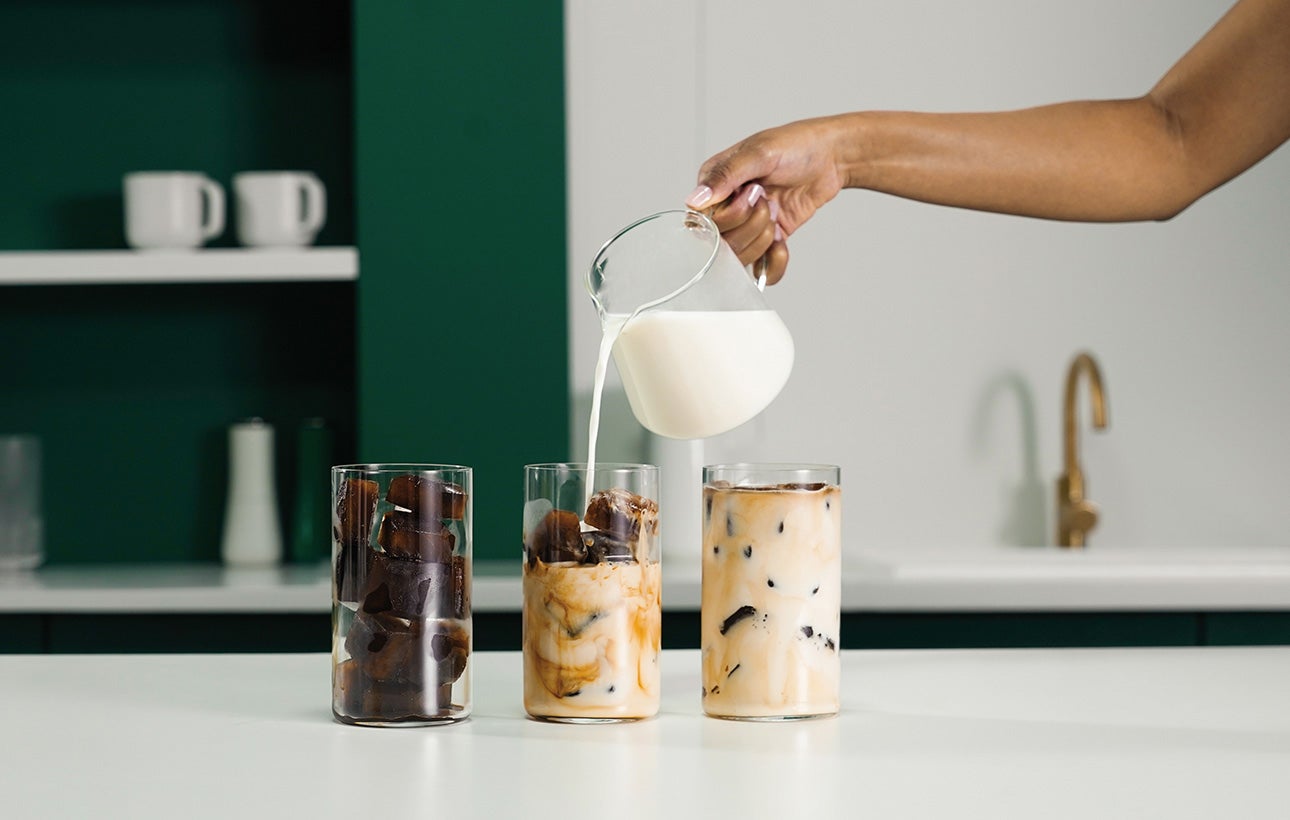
(699, 350)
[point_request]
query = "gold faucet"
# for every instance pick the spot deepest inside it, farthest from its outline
(1076, 515)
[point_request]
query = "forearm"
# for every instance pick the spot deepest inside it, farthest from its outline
(1114, 160)
(1224, 106)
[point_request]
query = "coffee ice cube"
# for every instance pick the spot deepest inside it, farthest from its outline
(414, 589)
(622, 514)
(364, 698)
(386, 648)
(404, 535)
(460, 587)
(355, 509)
(353, 562)
(428, 498)
(558, 537)
(449, 648)
(601, 546)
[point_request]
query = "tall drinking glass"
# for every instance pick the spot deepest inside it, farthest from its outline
(21, 526)
(401, 625)
(592, 584)
(772, 588)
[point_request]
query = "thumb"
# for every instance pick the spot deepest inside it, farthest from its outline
(726, 172)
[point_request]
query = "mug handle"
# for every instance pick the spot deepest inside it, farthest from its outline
(214, 195)
(315, 205)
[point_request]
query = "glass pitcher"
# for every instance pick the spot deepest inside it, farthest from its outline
(699, 350)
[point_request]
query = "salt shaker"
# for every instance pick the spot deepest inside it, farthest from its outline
(252, 532)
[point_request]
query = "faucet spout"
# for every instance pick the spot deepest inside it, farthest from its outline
(1075, 514)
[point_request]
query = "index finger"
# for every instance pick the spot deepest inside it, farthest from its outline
(725, 172)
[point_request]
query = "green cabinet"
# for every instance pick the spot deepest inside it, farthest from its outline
(21, 634)
(131, 387)
(462, 339)
(1247, 628)
(245, 632)
(438, 130)
(1028, 629)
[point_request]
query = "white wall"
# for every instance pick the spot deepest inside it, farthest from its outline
(932, 343)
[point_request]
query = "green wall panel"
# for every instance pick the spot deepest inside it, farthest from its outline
(92, 89)
(462, 346)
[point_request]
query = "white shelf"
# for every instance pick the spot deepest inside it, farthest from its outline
(178, 267)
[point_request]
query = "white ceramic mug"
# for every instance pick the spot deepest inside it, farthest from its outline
(279, 209)
(172, 209)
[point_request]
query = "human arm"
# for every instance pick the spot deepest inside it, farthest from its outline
(1220, 109)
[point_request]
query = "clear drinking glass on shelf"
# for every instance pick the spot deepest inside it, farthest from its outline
(592, 582)
(772, 587)
(21, 526)
(401, 625)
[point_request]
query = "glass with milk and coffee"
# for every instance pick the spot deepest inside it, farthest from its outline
(772, 578)
(699, 350)
(592, 583)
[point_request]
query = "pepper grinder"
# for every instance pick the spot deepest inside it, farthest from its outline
(252, 532)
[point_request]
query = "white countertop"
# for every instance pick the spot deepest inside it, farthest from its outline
(1140, 733)
(987, 579)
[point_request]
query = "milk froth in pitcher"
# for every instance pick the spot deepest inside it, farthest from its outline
(699, 350)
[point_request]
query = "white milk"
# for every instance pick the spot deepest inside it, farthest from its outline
(613, 327)
(694, 374)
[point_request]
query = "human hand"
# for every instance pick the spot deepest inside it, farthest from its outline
(761, 190)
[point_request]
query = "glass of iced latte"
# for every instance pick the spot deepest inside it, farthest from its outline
(592, 584)
(401, 624)
(772, 577)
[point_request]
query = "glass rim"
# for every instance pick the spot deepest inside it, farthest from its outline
(581, 466)
(772, 473)
(773, 466)
(401, 466)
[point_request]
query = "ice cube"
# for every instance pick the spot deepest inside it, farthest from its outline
(413, 589)
(428, 498)
(461, 579)
(449, 648)
(558, 537)
(355, 509)
(622, 514)
(601, 546)
(404, 535)
(534, 511)
(385, 647)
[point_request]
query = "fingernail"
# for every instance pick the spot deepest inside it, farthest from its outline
(779, 233)
(755, 193)
(774, 209)
(699, 197)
